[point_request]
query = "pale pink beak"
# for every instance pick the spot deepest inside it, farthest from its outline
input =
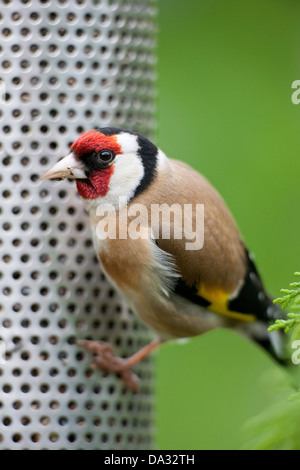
(68, 167)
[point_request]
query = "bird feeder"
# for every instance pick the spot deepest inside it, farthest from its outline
(66, 67)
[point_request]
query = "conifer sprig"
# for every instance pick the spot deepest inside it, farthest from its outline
(291, 301)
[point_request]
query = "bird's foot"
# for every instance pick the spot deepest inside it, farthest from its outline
(104, 358)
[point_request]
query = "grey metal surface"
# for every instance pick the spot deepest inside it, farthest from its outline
(67, 66)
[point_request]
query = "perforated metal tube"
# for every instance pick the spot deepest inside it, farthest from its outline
(67, 66)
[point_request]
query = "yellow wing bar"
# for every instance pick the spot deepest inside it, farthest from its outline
(219, 304)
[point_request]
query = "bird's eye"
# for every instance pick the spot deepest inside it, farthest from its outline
(106, 155)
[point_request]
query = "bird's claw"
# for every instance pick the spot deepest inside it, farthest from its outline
(105, 359)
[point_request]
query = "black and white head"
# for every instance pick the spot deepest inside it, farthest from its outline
(109, 163)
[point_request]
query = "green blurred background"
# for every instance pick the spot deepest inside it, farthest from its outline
(224, 106)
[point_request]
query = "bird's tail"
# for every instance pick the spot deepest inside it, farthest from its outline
(274, 342)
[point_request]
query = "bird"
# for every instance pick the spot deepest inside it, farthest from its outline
(177, 290)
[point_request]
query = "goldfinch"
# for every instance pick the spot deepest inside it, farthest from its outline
(178, 289)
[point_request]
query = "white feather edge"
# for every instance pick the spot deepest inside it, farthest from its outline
(165, 269)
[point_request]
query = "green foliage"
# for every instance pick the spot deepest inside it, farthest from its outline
(278, 427)
(291, 301)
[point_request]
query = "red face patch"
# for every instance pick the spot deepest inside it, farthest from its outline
(97, 185)
(94, 141)
(88, 143)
